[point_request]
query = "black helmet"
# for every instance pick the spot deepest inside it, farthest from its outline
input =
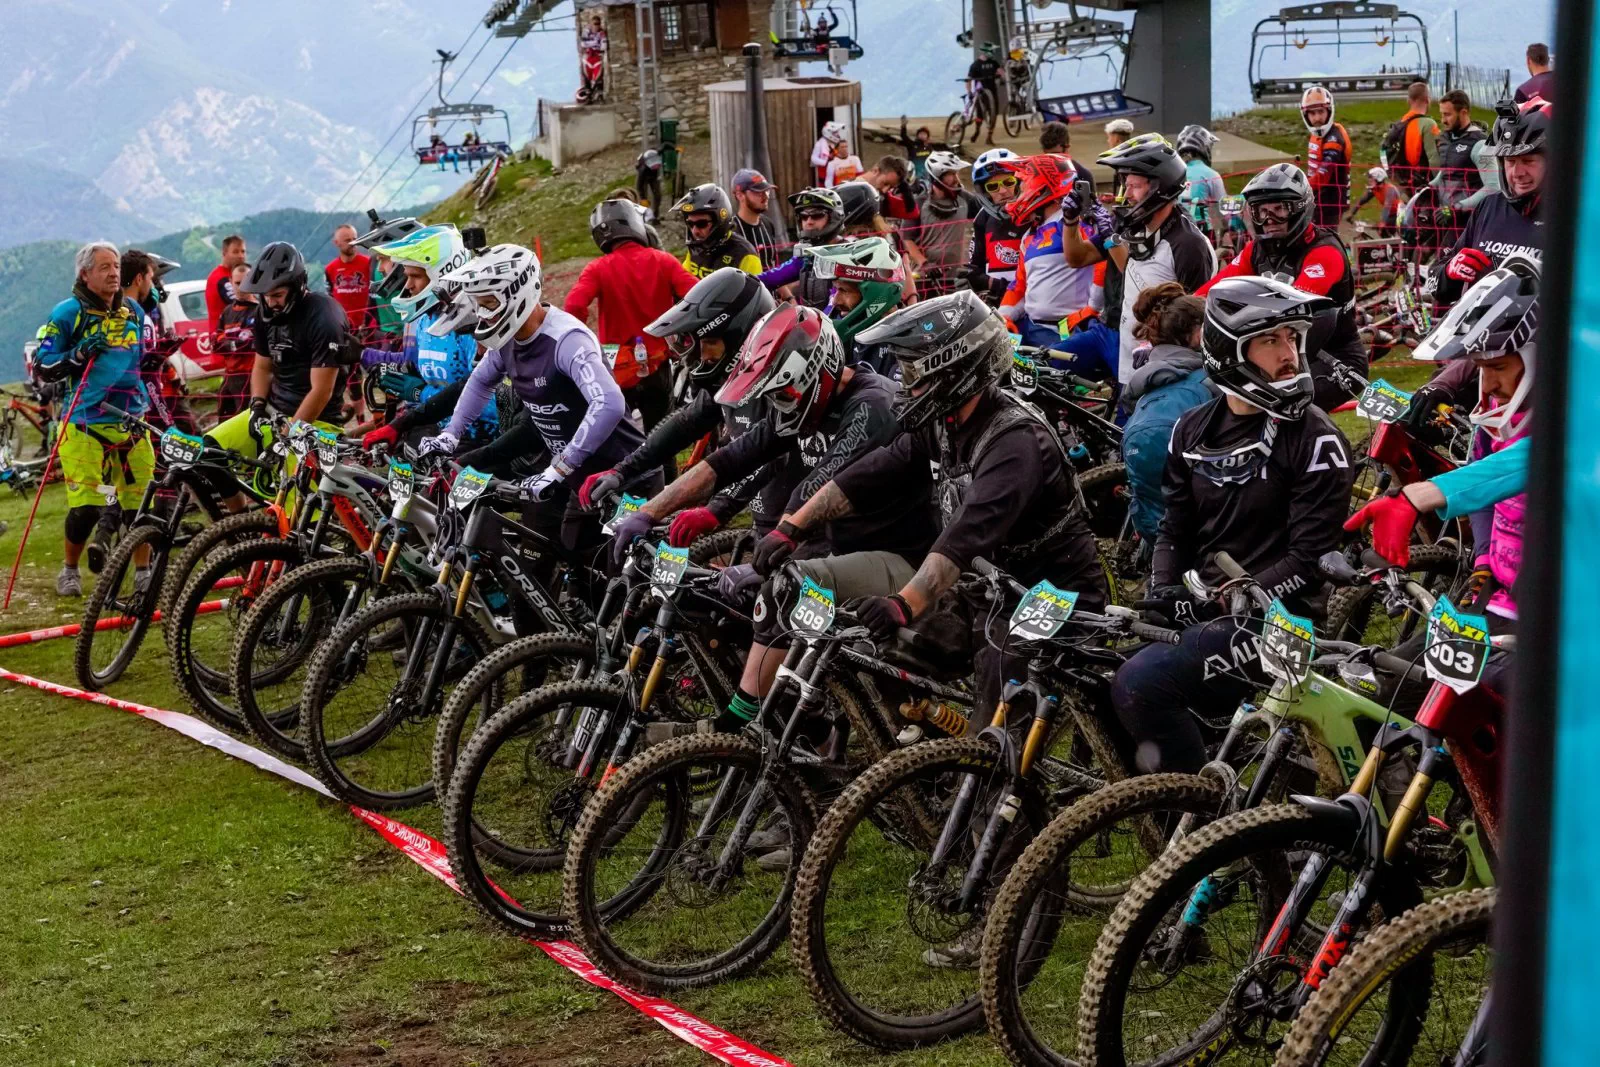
(1149, 156)
(162, 266)
(617, 220)
(1239, 309)
(727, 303)
(385, 232)
(707, 199)
(1281, 183)
(1195, 140)
(950, 349)
(280, 265)
(860, 200)
(1520, 130)
(827, 200)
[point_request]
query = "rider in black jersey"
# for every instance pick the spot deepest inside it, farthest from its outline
(1258, 473)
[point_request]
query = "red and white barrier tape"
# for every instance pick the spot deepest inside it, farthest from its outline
(430, 855)
(49, 633)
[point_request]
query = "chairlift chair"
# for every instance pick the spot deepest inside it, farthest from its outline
(795, 32)
(1343, 26)
(477, 117)
(1081, 39)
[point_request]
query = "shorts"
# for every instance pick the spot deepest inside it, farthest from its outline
(87, 465)
(850, 576)
(235, 434)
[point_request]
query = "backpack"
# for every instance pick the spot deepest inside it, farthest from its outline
(1418, 172)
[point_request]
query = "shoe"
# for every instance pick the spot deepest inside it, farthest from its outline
(94, 557)
(659, 733)
(771, 839)
(141, 584)
(777, 861)
(962, 954)
(68, 583)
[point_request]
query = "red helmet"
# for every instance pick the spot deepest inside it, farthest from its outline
(791, 361)
(1042, 182)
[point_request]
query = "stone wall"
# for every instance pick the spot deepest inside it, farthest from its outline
(683, 76)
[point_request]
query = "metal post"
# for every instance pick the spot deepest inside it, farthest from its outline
(757, 157)
(985, 24)
(644, 13)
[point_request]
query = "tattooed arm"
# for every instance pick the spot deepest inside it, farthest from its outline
(826, 503)
(693, 486)
(936, 575)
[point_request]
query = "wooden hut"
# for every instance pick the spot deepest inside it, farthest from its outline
(796, 109)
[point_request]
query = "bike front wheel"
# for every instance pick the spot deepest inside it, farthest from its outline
(119, 612)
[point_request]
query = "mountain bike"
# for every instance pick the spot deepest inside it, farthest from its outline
(1220, 942)
(122, 606)
(888, 910)
(1415, 990)
(334, 511)
(977, 108)
(488, 180)
(1022, 103)
(375, 687)
(1310, 728)
(666, 652)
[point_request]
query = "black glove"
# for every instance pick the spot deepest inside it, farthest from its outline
(1177, 605)
(628, 530)
(775, 548)
(1425, 405)
(883, 615)
(260, 421)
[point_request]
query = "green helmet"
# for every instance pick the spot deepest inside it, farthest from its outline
(874, 266)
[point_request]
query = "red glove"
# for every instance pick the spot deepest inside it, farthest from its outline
(1392, 519)
(691, 524)
(592, 488)
(383, 435)
(1468, 265)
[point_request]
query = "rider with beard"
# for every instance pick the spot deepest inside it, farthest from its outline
(1286, 244)
(868, 281)
(942, 233)
(1259, 473)
(704, 331)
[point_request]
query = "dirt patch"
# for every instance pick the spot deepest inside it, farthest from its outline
(614, 1033)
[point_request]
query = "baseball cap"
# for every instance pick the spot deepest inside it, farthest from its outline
(747, 179)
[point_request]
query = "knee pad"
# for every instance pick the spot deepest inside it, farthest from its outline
(81, 522)
(770, 618)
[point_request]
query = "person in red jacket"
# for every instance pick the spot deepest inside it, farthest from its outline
(350, 278)
(636, 285)
(1327, 156)
(219, 286)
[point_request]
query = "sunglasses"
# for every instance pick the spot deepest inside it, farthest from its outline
(700, 224)
(812, 216)
(994, 185)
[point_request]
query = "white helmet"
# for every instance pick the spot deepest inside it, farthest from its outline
(1377, 175)
(833, 132)
(502, 288)
(437, 250)
(942, 163)
(1316, 96)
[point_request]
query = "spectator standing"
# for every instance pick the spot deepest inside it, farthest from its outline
(752, 195)
(1117, 131)
(1204, 191)
(707, 215)
(349, 277)
(918, 149)
(1405, 147)
(986, 73)
(1458, 176)
(822, 151)
(219, 287)
(944, 234)
(1379, 188)
(635, 285)
(1541, 79)
(92, 344)
(236, 344)
(1056, 139)
(845, 166)
(1327, 156)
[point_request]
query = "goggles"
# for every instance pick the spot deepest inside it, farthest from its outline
(1236, 465)
(994, 185)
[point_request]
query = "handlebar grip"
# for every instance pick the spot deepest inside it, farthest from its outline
(1412, 672)
(1229, 566)
(115, 410)
(1158, 634)
(984, 567)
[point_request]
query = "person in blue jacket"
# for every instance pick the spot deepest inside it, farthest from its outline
(92, 343)
(1168, 379)
(441, 364)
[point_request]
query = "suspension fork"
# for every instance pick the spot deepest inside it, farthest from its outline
(967, 795)
(446, 645)
(1005, 812)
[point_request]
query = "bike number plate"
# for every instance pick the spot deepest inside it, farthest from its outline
(814, 610)
(625, 507)
(180, 447)
(469, 486)
(1042, 612)
(402, 483)
(299, 436)
(1458, 646)
(1024, 373)
(327, 447)
(1288, 644)
(670, 565)
(1382, 402)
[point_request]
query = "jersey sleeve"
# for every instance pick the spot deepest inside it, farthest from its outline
(862, 427)
(578, 357)
(1194, 261)
(785, 273)
(1319, 500)
(328, 334)
(746, 454)
(1323, 268)
(671, 435)
(1485, 482)
(885, 467)
(1011, 303)
(475, 395)
(1238, 265)
(583, 292)
(1173, 554)
(750, 263)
